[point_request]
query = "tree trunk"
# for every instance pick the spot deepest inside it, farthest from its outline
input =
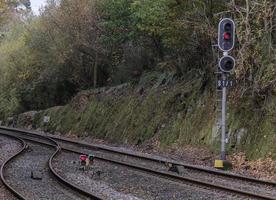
(95, 71)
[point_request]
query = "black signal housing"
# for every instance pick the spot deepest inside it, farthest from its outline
(227, 64)
(226, 34)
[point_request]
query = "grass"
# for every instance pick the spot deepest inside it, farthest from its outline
(174, 114)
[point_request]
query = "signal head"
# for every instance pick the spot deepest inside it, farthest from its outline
(227, 64)
(83, 157)
(226, 35)
(91, 157)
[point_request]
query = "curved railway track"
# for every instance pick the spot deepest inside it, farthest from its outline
(74, 192)
(3, 179)
(77, 147)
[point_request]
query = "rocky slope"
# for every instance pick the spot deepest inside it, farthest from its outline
(161, 116)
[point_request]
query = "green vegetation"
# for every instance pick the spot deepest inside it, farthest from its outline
(157, 45)
(134, 117)
(166, 114)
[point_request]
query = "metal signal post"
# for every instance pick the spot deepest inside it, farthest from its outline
(223, 120)
(226, 67)
(226, 42)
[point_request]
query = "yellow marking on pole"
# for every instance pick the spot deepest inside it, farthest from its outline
(218, 163)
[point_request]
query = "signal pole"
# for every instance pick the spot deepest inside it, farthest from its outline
(223, 120)
(226, 42)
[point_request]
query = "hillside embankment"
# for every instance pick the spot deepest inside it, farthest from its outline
(179, 114)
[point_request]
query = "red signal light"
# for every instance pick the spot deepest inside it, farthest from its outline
(227, 36)
(83, 157)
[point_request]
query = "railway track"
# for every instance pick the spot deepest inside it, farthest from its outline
(249, 187)
(3, 179)
(38, 155)
(49, 143)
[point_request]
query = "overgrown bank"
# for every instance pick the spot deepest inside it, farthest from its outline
(79, 45)
(165, 115)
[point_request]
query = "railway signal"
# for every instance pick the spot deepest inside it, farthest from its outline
(226, 42)
(86, 161)
(91, 158)
(83, 159)
(226, 34)
(227, 64)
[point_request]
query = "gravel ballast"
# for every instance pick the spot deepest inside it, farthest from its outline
(35, 159)
(229, 182)
(107, 189)
(8, 147)
(116, 182)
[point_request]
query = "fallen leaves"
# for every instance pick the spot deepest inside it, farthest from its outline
(261, 168)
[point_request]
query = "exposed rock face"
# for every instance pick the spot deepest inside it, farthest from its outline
(83, 98)
(26, 120)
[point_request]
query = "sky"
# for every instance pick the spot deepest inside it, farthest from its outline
(36, 4)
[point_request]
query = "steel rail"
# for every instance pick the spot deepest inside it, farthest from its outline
(50, 165)
(145, 157)
(5, 182)
(63, 180)
(170, 176)
(164, 161)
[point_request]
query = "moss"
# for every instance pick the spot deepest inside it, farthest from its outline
(174, 114)
(260, 139)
